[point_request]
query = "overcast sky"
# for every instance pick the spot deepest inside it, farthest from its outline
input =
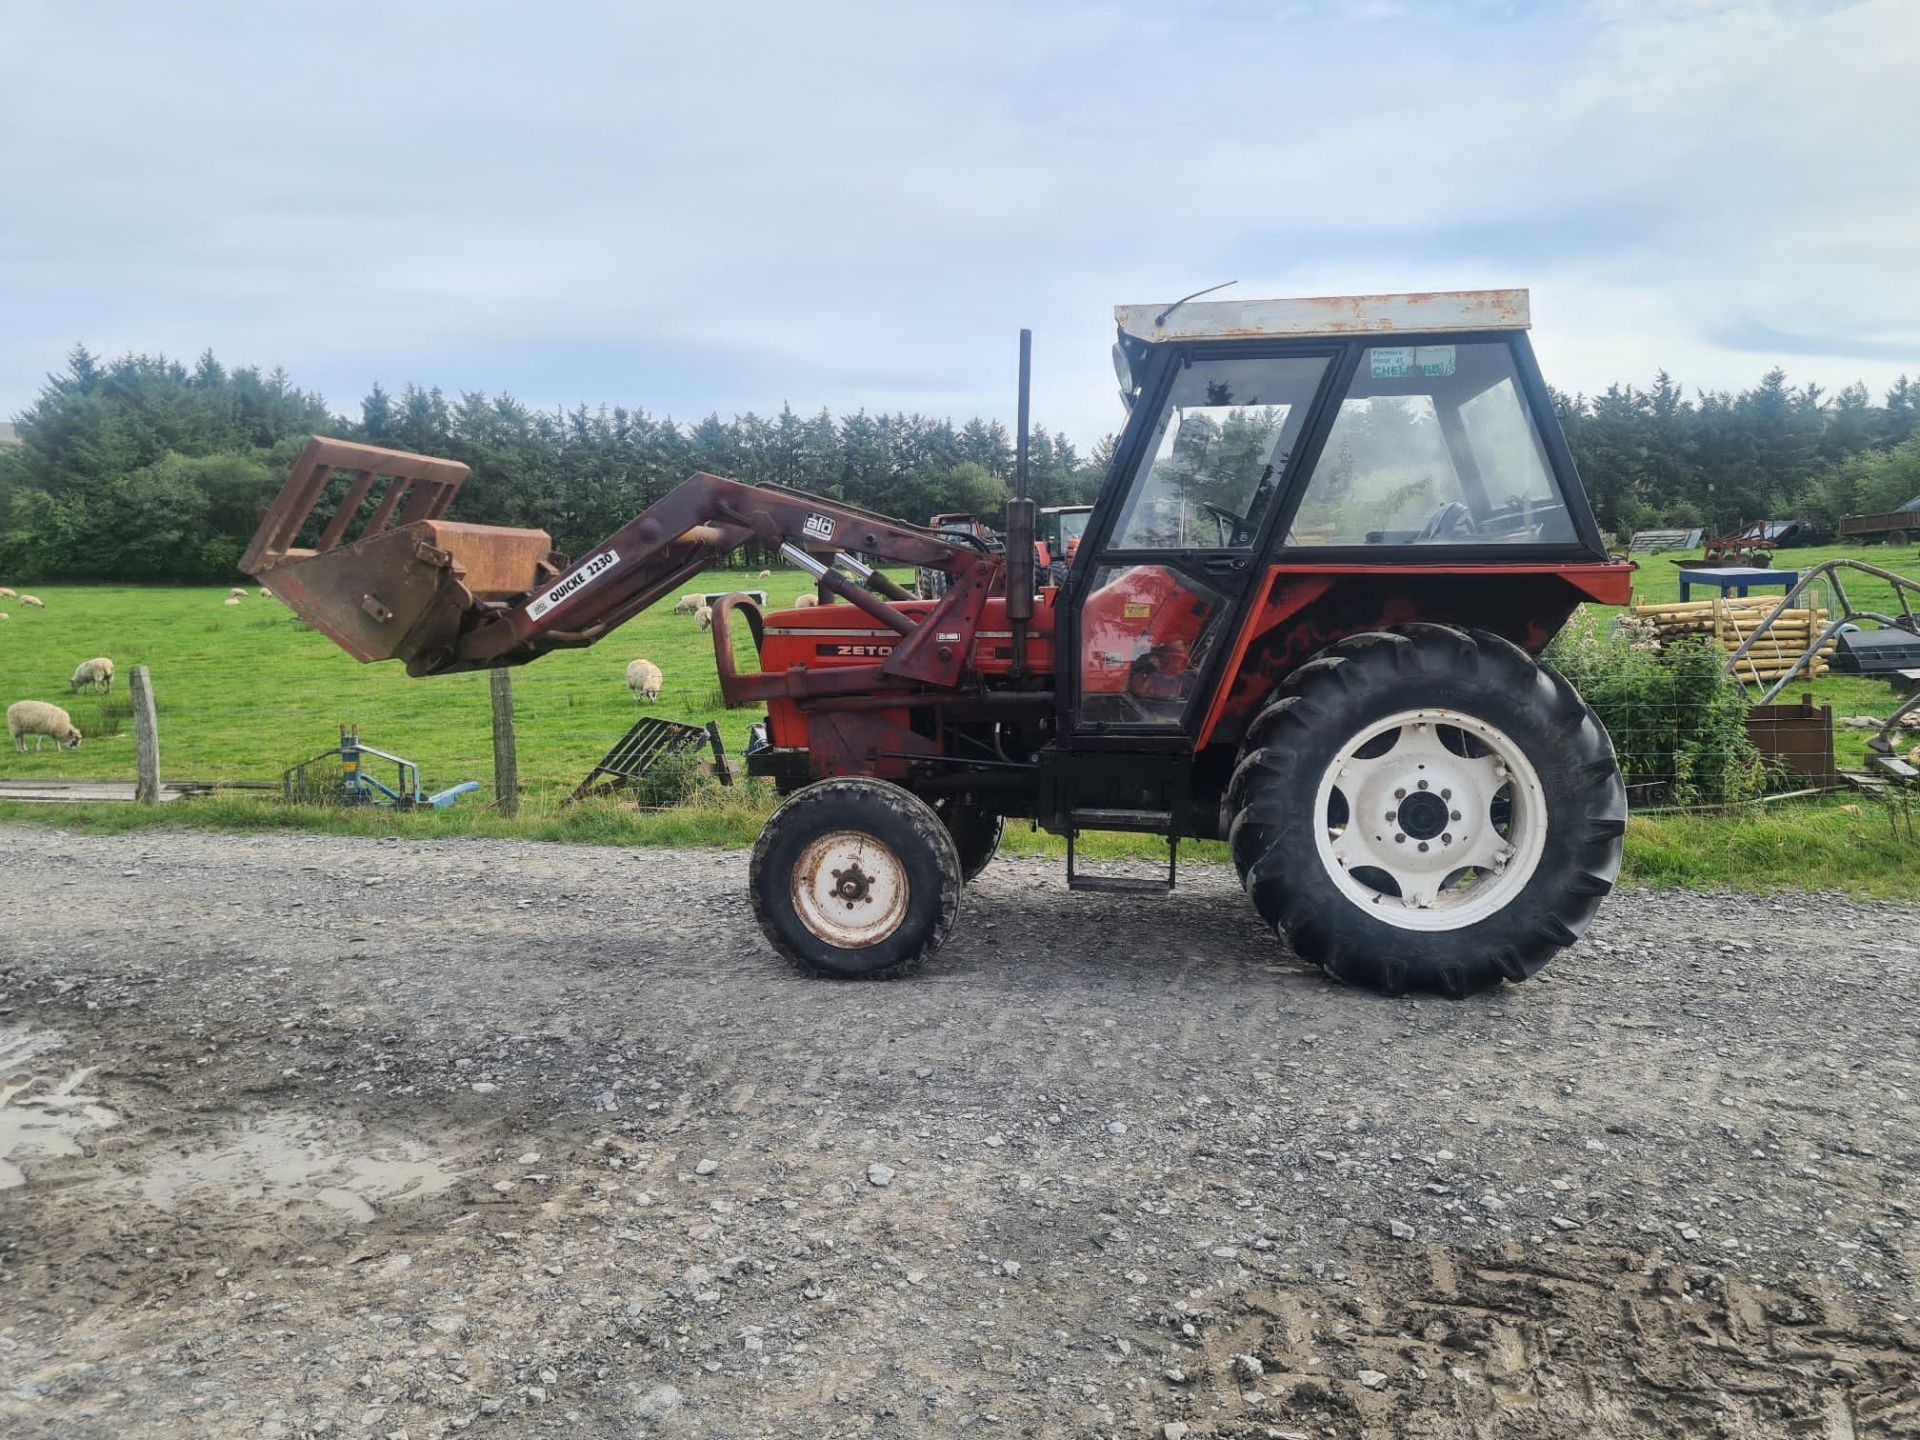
(723, 207)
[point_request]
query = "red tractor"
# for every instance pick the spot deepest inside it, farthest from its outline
(1304, 617)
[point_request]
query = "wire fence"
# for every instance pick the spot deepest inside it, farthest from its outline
(1686, 690)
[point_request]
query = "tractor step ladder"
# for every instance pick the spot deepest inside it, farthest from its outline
(1149, 821)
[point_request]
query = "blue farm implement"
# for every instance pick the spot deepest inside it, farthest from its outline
(349, 774)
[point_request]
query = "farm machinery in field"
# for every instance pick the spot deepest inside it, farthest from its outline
(1303, 616)
(349, 774)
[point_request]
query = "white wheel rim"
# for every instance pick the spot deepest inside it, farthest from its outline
(1430, 820)
(850, 890)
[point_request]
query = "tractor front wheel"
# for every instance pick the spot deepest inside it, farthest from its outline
(856, 879)
(1427, 809)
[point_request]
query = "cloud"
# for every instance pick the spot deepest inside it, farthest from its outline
(706, 208)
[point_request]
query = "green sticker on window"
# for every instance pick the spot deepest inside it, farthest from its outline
(1434, 359)
(1391, 362)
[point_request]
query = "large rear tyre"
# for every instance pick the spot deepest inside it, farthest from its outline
(1427, 808)
(855, 879)
(976, 833)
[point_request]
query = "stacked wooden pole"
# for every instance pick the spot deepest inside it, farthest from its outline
(1733, 620)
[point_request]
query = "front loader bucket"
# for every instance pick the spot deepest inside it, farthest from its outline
(384, 576)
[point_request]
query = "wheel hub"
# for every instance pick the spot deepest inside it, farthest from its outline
(1422, 815)
(850, 889)
(1431, 819)
(853, 885)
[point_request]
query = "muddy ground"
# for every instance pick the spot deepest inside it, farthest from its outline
(315, 1136)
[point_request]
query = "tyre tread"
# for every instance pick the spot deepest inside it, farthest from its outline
(1267, 782)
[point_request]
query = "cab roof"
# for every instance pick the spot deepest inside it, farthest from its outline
(1434, 312)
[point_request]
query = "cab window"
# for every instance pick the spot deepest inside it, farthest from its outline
(1433, 445)
(1217, 454)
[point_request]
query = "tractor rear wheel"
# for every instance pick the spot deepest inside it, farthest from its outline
(1427, 808)
(856, 879)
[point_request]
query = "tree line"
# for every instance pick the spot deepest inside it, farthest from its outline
(1656, 457)
(144, 469)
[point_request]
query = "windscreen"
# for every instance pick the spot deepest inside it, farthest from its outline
(1433, 445)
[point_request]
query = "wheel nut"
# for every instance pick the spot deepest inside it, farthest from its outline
(1446, 794)
(1423, 847)
(1454, 815)
(1446, 837)
(1399, 839)
(1400, 794)
(1423, 784)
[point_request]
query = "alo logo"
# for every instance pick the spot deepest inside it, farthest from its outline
(820, 527)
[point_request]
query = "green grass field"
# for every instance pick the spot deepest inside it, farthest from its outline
(245, 691)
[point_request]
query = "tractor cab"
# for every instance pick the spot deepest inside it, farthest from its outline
(1377, 447)
(1061, 527)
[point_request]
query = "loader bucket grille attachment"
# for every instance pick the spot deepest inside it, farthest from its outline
(382, 574)
(648, 744)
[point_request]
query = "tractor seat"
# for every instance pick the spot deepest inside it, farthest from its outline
(500, 561)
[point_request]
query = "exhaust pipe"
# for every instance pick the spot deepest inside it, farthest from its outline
(1020, 524)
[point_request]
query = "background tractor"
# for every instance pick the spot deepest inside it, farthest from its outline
(1303, 616)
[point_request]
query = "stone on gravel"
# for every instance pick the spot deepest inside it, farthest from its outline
(879, 1174)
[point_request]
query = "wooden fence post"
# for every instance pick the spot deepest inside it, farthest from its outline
(146, 739)
(506, 758)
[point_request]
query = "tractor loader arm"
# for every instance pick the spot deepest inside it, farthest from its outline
(405, 583)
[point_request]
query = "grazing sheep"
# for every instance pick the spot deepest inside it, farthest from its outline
(803, 602)
(33, 602)
(644, 680)
(239, 592)
(764, 575)
(265, 593)
(4, 615)
(231, 600)
(94, 674)
(687, 605)
(705, 616)
(8, 594)
(37, 718)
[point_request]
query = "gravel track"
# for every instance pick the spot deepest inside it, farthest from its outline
(317, 1136)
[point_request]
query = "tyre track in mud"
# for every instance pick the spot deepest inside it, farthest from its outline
(411, 1136)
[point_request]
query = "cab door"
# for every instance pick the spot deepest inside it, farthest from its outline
(1156, 595)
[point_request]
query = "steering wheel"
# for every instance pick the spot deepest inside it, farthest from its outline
(1234, 529)
(1450, 521)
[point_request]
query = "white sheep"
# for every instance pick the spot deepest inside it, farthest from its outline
(265, 593)
(644, 680)
(7, 593)
(37, 718)
(803, 602)
(764, 575)
(705, 616)
(231, 600)
(33, 602)
(4, 615)
(93, 674)
(687, 604)
(239, 592)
